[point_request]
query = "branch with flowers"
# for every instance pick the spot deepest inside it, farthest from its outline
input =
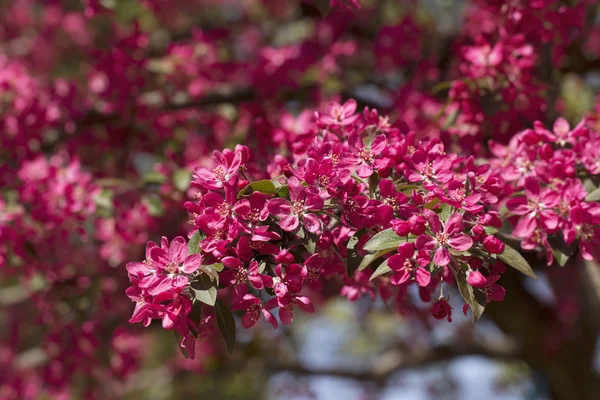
(360, 199)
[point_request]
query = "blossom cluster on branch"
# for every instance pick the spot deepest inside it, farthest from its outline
(110, 112)
(360, 199)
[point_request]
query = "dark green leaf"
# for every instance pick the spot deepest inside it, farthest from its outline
(407, 186)
(264, 186)
(196, 316)
(382, 269)
(475, 298)
(226, 325)
(383, 240)
(178, 339)
(373, 183)
(431, 205)
(205, 288)
(194, 243)
(513, 258)
(370, 258)
(283, 191)
(353, 259)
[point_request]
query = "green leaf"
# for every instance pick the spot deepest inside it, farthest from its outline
(373, 183)
(382, 269)
(104, 199)
(196, 316)
(561, 258)
(594, 196)
(154, 177)
(226, 325)
(210, 273)
(178, 339)
(181, 179)
(310, 242)
(370, 258)
(475, 298)
(451, 119)
(283, 192)
(387, 239)
(353, 259)
(324, 6)
(194, 243)
(446, 212)
(490, 230)
(407, 186)
(431, 205)
(264, 186)
(155, 205)
(206, 296)
(513, 258)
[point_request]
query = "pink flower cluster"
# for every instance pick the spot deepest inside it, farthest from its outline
(546, 173)
(357, 193)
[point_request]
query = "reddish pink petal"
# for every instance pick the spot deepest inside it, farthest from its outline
(461, 242)
(289, 223)
(178, 250)
(279, 207)
(423, 277)
(441, 257)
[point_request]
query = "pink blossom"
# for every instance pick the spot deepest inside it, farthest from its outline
(302, 202)
(444, 236)
(405, 268)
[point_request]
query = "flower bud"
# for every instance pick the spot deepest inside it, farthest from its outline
(400, 227)
(417, 225)
(493, 245)
(476, 279)
(284, 257)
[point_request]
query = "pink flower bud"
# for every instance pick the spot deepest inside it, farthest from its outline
(493, 245)
(441, 309)
(417, 225)
(242, 183)
(417, 197)
(478, 231)
(476, 279)
(400, 227)
(284, 257)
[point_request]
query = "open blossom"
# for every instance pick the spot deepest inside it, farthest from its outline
(405, 266)
(535, 208)
(302, 202)
(428, 170)
(443, 237)
(172, 267)
(253, 309)
(226, 165)
(340, 114)
(367, 158)
(441, 309)
(586, 226)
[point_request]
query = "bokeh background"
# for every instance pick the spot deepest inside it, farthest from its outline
(106, 106)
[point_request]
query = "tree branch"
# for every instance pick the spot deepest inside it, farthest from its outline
(397, 360)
